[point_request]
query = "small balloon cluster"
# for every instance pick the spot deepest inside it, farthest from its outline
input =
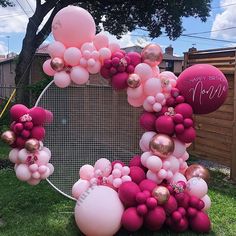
(25, 136)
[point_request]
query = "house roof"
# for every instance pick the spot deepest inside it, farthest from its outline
(171, 57)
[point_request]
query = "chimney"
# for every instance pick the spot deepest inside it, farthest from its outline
(192, 49)
(169, 50)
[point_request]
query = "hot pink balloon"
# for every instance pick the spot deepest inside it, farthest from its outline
(56, 49)
(72, 56)
(47, 68)
(204, 87)
(79, 75)
(62, 79)
(73, 26)
(100, 41)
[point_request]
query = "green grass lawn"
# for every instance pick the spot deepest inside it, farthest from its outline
(40, 210)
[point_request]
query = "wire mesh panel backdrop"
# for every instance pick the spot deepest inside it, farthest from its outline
(90, 122)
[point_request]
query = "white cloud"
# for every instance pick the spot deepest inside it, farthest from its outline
(3, 48)
(225, 19)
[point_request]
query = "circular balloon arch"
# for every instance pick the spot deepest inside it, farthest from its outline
(154, 188)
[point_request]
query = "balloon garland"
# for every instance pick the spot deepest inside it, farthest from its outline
(157, 188)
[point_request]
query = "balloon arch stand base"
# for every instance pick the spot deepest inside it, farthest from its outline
(156, 189)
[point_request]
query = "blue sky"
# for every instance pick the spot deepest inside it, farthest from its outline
(13, 22)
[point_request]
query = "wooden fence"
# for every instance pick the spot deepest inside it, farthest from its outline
(216, 132)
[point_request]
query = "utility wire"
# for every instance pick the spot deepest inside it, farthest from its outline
(30, 6)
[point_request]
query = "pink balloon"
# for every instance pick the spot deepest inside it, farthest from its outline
(80, 187)
(174, 163)
(206, 199)
(73, 26)
(23, 173)
(155, 71)
(114, 47)
(47, 68)
(153, 176)
(83, 62)
(131, 220)
(17, 111)
(33, 167)
(104, 165)
(178, 177)
(204, 87)
(152, 86)
(36, 175)
(22, 155)
(91, 62)
(79, 75)
(135, 102)
(100, 41)
(135, 92)
(147, 106)
(42, 169)
(146, 138)
(88, 47)
(46, 174)
(56, 49)
(154, 163)
(62, 79)
(51, 168)
(86, 172)
(162, 174)
(144, 158)
(33, 181)
(43, 158)
(95, 68)
(95, 55)
(180, 148)
(105, 53)
(86, 54)
(144, 71)
(13, 155)
(88, 217)
(197, 187)
(72, 56)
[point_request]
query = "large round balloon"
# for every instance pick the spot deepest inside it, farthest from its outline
(204, 87)
(98, 211)
(73, 26)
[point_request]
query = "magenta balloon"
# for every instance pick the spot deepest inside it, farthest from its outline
(204, 87)
(73, 26)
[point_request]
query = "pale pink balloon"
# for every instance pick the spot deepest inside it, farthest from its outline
(23, 173)
(33, 181)
(179, 148)
(169, 175)
(100, 212)
(36, 175)
(72, 56)
(125, 170)
(62, 79)
(104, 165)
(105, 53)
(174, 164)
(114, 47)
(156, 71)
(188, 144)
(146, 138)
(197, 187)
(86, 54)
(152, 86)
(135, 92)
(46, 174)
(80, 187)
(86, 172)
(142, 147)
(73, 26)
(79, 75)
(117, 182)
(43, 158)
(157, 107)
(206, 199)
(42, 169)
(153, 176)
(51, 168)
(144, 71)
(23, 155)
(83, 62)
(144, 158)
(91, 62)
(95, 55)
(88, 47)
(151, 100)
(160, 97)
(162, 174)
(147, 106)
(95, 68)
(56, 49)
(135, 102)
(47, 69)
(178, 177)
(154, 163)
(100, 41)
(116, 173)
(126, 178)
(119, 166)
(47, 150)
(13, 155)
(185, 156)
(168, 74)
(34, 167)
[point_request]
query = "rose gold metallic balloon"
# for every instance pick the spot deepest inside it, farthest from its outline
(162, 145)
(161, 194)
(196, 170)
(8, 137)
(152, 55)
(57, 64)
(134, 81)
(32, 145)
